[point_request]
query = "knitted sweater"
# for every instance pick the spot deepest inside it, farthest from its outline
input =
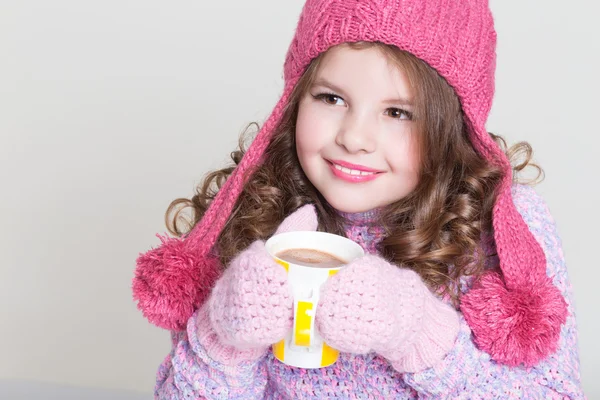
(466, 372)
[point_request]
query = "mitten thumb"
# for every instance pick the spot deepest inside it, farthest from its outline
(303, 219)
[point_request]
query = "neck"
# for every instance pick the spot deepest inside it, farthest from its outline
(370, 216)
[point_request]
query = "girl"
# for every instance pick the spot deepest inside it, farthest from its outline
(379, 136)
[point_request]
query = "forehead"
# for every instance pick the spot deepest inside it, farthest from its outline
(369, 66)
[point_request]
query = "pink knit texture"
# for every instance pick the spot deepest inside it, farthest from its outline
(533, 317)
(251, 305)
(457, 38)
(516, 318)
(372, 305)
(227, 355)
(171, 283)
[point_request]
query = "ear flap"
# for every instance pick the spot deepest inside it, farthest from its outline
(174, 279)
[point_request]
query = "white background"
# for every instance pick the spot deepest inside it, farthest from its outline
(109, 110)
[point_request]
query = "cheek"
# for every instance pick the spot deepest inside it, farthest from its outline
(404, 154)
(308, 131)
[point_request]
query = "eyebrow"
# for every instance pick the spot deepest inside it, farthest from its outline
(335, 88)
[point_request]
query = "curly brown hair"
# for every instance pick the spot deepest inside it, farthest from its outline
(438, 225)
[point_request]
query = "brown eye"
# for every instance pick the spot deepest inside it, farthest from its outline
(399, 113)
(329, 98)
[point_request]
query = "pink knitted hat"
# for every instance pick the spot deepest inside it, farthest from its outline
(516, 316)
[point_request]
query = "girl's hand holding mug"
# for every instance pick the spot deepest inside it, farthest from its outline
(251, 305)
(372, 305)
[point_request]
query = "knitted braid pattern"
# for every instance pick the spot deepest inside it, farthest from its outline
(204, 236)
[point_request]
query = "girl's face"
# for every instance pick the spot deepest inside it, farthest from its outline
(355, 137)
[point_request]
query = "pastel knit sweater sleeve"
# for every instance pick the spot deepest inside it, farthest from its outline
(468, 373)
(200, 367)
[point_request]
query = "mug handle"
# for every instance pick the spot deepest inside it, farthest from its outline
(304, 312)
(305, 309)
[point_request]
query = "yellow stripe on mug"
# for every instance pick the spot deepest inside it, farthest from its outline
(279, 350)
(283, 264)
(303, 322)
(328, 355)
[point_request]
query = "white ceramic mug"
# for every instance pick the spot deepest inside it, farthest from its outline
(303, 347)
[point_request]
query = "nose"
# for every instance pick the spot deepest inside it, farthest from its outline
(356, 134)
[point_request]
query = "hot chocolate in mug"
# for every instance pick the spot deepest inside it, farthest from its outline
(309, 258)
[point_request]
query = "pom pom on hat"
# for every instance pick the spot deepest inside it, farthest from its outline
(514, 326)
(171, 282)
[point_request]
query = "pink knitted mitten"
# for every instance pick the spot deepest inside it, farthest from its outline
(372, 305)
(251, 305)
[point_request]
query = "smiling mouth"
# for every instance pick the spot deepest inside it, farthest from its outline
(352, 171)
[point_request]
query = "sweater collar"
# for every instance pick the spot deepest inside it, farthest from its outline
(360, 218)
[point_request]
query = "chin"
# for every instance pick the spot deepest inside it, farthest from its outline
(343, 205)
